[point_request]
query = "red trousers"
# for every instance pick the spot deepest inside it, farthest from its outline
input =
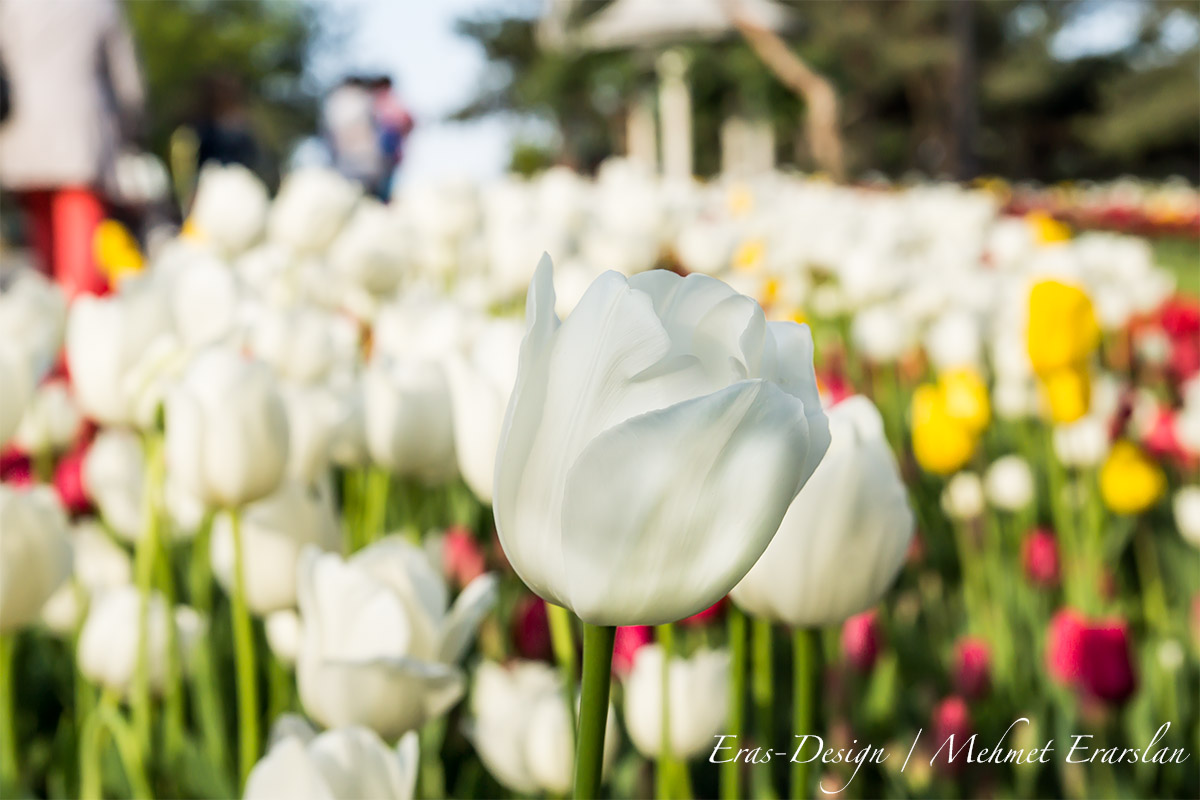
(63, 226)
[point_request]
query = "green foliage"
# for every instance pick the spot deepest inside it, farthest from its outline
(895, 64)
(262, 45)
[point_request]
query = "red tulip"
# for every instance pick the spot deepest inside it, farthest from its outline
(68, 482)
(629, 640)
(862, 640)
(462, 557)
(1063, 645)
(972, 667)
(952, 717)
(15, 468)
(1039, 554)
(702, 618)
(531, 628)
(1107, 665)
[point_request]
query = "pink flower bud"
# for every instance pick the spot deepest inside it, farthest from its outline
(1039, 554)
(462, 557)
(972, 667)
(531, 628)
(630, 639)
(1107, 665)
(1063, 654)
(861, 640)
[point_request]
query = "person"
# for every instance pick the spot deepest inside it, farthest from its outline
(349, 118)
(393, 124)
(76, 92)
(223, 130)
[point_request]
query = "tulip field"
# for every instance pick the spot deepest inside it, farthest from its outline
(608, 487)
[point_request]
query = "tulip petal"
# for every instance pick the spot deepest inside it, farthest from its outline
(649, 533)
(465, 615)
(417, 691)
(287, 771)
(356, 763)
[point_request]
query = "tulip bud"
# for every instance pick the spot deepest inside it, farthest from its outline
(972, 667)
(230, 207)
(339, 763)
(108, 644)
(113, 473)
(310, 209)
(1008, 483)
(99, 564)
(1129, 481)
(857, 494)
(16, 468)
(963, 498)
(227, 431)
(37, 554)
(1039, 555)
(283, 635)
(951, 728)
(52, 421)
(531, 628)
(862, 640)
(380, 643)
(676, 395)
(692, 724)
(69, 482)
(628, 643)
(1063, 645)
(462, 557)
(1186, 506)
(1106, 661)
(16, 390)
(521, 728)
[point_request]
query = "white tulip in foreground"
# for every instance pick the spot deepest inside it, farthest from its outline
(35, 553)
(853, 511)
(275, 530)
(99, 564)
(652, 445)
(226, 430)
(108, 644)
(380, 642)
(107, 337)
(521, 729)
(350, 763)
(698, 705)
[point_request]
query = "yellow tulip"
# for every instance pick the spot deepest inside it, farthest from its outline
(942, 443)
(1062, 329)
(1130, 482)
(115, 251)
(1067, 394)
(749, 255)
(1047, 229)
(965, 397)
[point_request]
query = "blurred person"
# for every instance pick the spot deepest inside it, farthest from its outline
(223, 130)
(393, 123)
(349, 118)
(76, 93)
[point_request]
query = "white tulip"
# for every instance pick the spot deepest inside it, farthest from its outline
(1083, 443)
(113, 474)
(226, 432)
(1186, 505)
(315, 414)
(698, 703)
(954, 341)
(310, 209)
(106, 339)
(51, 423)
(100, 564)
(521, 729)
(230, 207)
(963, 497)
(284, 633)
(853, 510)
(297, 343)
(676, 396)
(205, 300)
(33, 318)
(350, 763)
(380, 642)
(480, 385)
(274, 531)
(408, 421)
(35, 553)
(16, 390)
(370, 251)
(107, 652)
(880, 333)
(1008, 483)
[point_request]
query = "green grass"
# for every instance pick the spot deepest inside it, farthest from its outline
(1181, 257)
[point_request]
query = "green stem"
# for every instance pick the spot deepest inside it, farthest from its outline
(375, 506)
(1154, 602)
(665, 768)
(593, 709)
(173, 694)
(804, 665)
(730, 770)
(279, 687)
(206, 694)
(145, 555)
(762, 688)
(563, 641)
(10, 769)
(432, 773)
(247, 674)
(105, 717)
